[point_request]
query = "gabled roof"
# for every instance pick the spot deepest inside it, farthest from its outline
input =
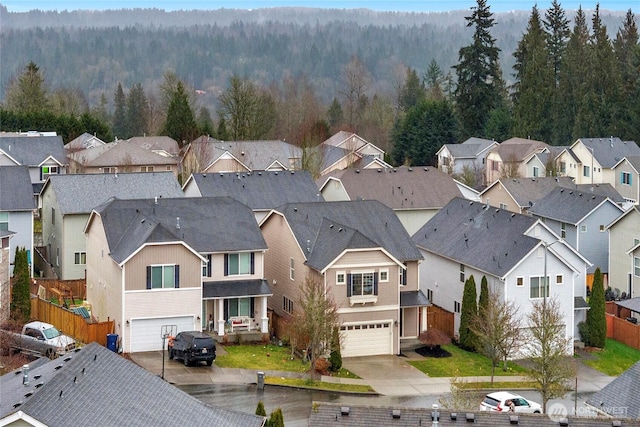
(259, 190)
(95, 386)
(348, 140)
(80, 193)
(634, 161)
(157, 144)
(568, 205)
(490, 239)
(398, 188)
(609, 151)
(470, 148)
(527, 191)
(121, 154)
(205, 224)
(256, 155)
(84, 141)
(338, 226)
(621, 393)
(33, 150)
(16, 192)
(518, 149)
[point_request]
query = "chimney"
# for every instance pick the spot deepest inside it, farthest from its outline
(25, 375)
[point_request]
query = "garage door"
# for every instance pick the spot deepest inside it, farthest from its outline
(146, 333)
(366, 339)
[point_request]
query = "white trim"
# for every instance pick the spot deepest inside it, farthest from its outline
(16, 416)
(177, 242)
(346, 310)
(383, 250)
(380, 271)
(344, 278)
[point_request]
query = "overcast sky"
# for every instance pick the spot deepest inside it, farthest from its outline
(384, 5)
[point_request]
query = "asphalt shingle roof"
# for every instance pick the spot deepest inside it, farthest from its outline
(121, 153)
(609, 151)
(363, 222)
(256, 155)
(469, 148)
(207, 224)
(260, 190)
(97, 387)
(567, 205)
(81, 193)
(478, 235)
(16, 192)
(33, 150)
(235, 288)
(529, 190)
(399, 188)
(620, 398)
(517, 149)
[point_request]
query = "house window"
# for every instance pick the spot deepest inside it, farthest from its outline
(80, 258)
(206, 267)
(601, 227)
(583, 228)
(292, 272)
(48, 170)
(520, 281)
(636, 241)
(462, 273)
(146, 168)
(456, 307)
(403, 276)
(287, 305)
(162, 276)
(563, 230)
(239, 307)
(636, 266)
(58, 256)
(538, 288)
(563, 167)
(109, 170)
(503, 206)
(53, 216)
(536, 171)
(384, 275)
(341, 278)
(430, 295)
(495, 165)
(625, 178)
(240, 263)
(559, 279)
(4, 221)
(586, 171)
(362, 284)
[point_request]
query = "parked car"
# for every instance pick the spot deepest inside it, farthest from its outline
(39, 339)
(192, 346)
(499, 401)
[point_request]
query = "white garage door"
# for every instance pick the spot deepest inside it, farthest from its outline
(366, 339)
(146, 333)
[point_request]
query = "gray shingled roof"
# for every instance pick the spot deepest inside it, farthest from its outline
(517, 149)
(609, 151)
(337, 415)
(632, 304)
(97, 387)
(235, 288)
(207, 224)
(156, 143)
(478, 235)
(413, 299)
(121, 153)
(567, 205)
(526, 190)
(399, 188)
(16, 192)
(362, 222)
(81, 193)
(635, 162)
(260, 190)
(469, 148)
(33, 150)
(620, 398)
(256, 155)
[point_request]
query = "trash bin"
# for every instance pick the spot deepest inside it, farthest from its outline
(260, 380)
(112, 342)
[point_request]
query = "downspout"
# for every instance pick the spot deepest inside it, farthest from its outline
(123, 330)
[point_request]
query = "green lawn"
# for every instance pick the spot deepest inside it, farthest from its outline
(614, 359)
(462, 364)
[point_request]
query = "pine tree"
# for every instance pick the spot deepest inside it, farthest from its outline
(483, 300)
(480, 85)
(20, 295)
(276, 419)
(469, 311)
(119, 125)
(180, 124)
(137, 113)
(627, 52)
(260, 409)
(411, 92)
(534, 83)
(596, 316)
(28, 93)
(335, 115)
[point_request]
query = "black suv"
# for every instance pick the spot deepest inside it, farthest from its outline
(192, 346)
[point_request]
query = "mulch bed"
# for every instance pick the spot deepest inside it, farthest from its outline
(432, 352)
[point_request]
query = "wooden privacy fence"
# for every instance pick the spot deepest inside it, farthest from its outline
(56, 288)
(439, 318)
(70, 323)
(623, 331)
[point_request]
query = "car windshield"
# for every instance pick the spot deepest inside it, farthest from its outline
(51, 333)
(203, 342)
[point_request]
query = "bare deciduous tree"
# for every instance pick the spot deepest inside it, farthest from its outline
(547, 346)
(357, 79)
(460, 396)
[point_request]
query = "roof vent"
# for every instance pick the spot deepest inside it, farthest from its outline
(58, 367)
(395, 413)
(563, 422)
(470, 417)
(357, 170)
(616, 423)
(25, 375)
(178, 222)
(344, 410)
(379, 170)
(513, 419)
(410, 169)
(16, 405)
(453, 416)
(275, 173)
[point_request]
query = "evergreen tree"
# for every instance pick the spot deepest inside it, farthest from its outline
(205, 122)
(180, 124)
(573, 75)
(627, 52)
(411, 92)
(334, 114)
(480, 86)
(28, 93)
(468, 312)
(483, 300)
(534, 84)
(138, 112)
(596, 316)
(221, 132)
(260, 409)
(276, 419)
(499, 124)
(120, 114)
(20, 295)
(434, 78)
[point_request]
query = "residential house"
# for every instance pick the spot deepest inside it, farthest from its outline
(519, 194)
(95, 386)
(592, 160)
(172, 263)
(326, 158)
(261, 190)
(618, 399)
(364, 257)
(5, 276)
(508, 159)
(624, 256)
(581, 219)
(120, 156)
(355, 143)
(627, 178)
(82, 142)
(162, 145)
(42, 152)
(471, 155)
(16, 210)
(542, 163)
(512, 251)
(67, 202)
(415, 194)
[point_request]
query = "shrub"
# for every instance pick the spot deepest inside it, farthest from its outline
(260, 409)
(322, 366)
(433, 338)
(335, 361)
(583, 328)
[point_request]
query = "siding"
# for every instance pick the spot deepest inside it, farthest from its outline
(621, 239)
(497, 195)
(217, 268)
(73, 240)
(190, 266)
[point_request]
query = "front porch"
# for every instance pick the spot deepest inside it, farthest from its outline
(239, 337)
